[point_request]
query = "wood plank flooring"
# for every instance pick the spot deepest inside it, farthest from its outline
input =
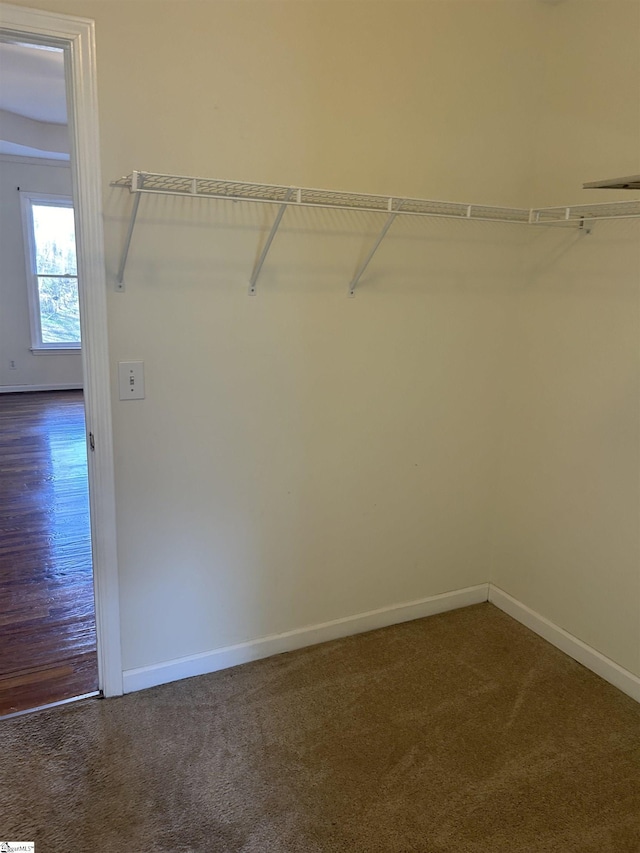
(47, 623)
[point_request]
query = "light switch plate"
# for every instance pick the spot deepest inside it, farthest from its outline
(131, 380)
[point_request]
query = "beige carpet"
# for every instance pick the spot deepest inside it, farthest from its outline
(460, 733)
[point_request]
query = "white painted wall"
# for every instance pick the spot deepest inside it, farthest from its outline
(301, 457)
(31, 371)
(588, 100)
(314, 456)
(567, 534)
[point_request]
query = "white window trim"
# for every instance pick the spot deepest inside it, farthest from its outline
(56, 349)
(27, 199)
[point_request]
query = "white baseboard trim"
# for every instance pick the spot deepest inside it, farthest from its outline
(212, 661)
(567, 643)
(13, 389)
(228, 656)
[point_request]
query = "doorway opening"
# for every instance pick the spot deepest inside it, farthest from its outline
(47, 630)
(56, 406)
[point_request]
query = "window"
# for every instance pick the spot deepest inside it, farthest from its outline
(52, 272)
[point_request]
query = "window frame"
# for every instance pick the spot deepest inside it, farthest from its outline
(27, 200)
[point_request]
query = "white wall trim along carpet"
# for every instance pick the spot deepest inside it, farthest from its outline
(205, 662)
(567, 643)
(222, 658)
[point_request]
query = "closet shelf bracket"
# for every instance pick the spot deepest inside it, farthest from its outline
(129, 234)
(390, 220)
(263, 255)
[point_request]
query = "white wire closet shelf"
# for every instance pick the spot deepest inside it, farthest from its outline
(152, 183)
(630, 182)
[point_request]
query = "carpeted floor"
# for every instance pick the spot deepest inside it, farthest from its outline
(460, 733)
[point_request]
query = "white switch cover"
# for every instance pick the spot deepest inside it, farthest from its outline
(131, 380)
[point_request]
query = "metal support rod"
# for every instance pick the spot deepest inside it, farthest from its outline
(373, 250)
(267, 246)
(127, 241)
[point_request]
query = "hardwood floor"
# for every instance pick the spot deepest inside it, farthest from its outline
(47, 623)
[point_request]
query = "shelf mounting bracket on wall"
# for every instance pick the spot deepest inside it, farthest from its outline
(129, 234)
(267, 245)
(390, 220)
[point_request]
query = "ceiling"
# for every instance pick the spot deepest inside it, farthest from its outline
(33, 107)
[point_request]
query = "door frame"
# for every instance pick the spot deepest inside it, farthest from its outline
(76, 36)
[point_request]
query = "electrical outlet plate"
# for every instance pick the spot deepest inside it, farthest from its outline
(131, 380)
